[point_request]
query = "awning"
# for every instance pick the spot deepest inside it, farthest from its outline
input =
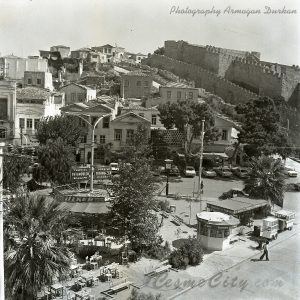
(86, 207)
(223, 155)
(236, 205)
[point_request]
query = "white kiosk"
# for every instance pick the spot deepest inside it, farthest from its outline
(214, 229)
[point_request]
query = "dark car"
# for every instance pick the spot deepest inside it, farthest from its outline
(174, 171)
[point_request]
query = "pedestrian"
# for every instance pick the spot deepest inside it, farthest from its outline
(266, 251)
(201, 186)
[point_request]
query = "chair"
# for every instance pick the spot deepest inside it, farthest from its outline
(96, 280)
(71, 295)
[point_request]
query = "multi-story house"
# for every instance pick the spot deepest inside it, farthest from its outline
(13, 67)
(136, 84)
(7, 110)
(151, 114)
(81, 53)
(32, 104)
(38, 79)
(63, 50)
(112, 54)
(75, 92)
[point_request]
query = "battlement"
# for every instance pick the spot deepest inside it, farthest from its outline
(203, 78)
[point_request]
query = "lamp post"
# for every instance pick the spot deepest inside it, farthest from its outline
(92, 127)
(168, 166)
(200, 166)
(1, 225)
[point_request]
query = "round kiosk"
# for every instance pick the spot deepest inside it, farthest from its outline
(214, 229)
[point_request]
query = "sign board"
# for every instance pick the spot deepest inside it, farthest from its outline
(102, 173)
(80, 174)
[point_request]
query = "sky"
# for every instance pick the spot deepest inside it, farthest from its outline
(27, 26)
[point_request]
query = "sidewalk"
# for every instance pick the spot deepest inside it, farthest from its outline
(173, 284)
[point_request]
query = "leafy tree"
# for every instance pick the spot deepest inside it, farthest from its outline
(56, 159)
(66, 127)
(132, 208)
(190, 253)
(160, 51)
(261, 129)
(138, 146)
(32, 254)
(160, 148)
(189, 113)
(136, 295)
(14, 166)
(266, 180)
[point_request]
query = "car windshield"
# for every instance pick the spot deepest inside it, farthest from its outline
(114, 165)
(190, 168)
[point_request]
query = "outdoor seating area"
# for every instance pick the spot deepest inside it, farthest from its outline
(80, 284)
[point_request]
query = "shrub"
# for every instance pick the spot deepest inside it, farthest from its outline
(164, 205)
(190, 253)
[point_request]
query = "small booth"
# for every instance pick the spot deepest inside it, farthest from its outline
(214, 229)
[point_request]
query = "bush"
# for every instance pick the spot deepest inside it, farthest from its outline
(164, 205)
(190, 253)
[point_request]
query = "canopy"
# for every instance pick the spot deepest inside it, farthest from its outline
(86, 207)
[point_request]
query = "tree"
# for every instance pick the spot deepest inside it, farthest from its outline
(138, 146)
(266, 180)
(261, 130)
(14, 166)
(56, 159)
(132, 208)
(33, 256)
(66, 127)
(187, 116)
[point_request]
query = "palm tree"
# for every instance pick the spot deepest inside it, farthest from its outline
(266, 180)
(33, 255)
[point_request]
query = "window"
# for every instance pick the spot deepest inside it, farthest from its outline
(2, 133)
(141, 115)
(153, 120)
(83, 139)
(39, 81)
(102, 139)
(36, 122)
(224, 135)
(129, 134)
(29, 81)
(191, 95)
(178, 95)
(138, 83)
(95, 138)
(80, 97)
(21, 123)
(118, 134)
(126, 83)
(73, 97)
(29, 123)
(169, 94)
(105, 123)
(146, 83)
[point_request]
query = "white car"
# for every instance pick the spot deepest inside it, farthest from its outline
(289, 171)
(190, 171)
(114, 167)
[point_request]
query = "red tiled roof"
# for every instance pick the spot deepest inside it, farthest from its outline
(33, 93)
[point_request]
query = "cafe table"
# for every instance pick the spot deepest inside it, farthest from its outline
(88, 278)
(57, 289)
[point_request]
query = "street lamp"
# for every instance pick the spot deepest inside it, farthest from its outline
(168, 166)
(92, 126)
(200, 165)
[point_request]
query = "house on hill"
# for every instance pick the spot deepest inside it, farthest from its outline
(75, 92)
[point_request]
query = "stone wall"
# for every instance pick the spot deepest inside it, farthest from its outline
(227, 90)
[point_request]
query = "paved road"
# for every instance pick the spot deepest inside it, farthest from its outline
(253, 279)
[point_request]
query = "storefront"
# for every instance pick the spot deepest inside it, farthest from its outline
(214, 229)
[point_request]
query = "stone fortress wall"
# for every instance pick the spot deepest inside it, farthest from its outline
(231, 74)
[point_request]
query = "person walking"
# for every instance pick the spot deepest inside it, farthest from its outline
(266, 251)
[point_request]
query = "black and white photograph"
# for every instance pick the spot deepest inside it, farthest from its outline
(149, 150)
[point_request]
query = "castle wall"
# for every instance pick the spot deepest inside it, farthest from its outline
(227, 90)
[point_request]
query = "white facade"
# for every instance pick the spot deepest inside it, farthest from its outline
(14, 67)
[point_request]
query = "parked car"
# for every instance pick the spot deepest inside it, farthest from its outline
(174, 171)
(289, 171)
(114, 167)
(190, 171)
(240, 172)
(209, 173)
(224, 172)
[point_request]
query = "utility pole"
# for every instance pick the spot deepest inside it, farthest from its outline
(2, 296)
(200, 166)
